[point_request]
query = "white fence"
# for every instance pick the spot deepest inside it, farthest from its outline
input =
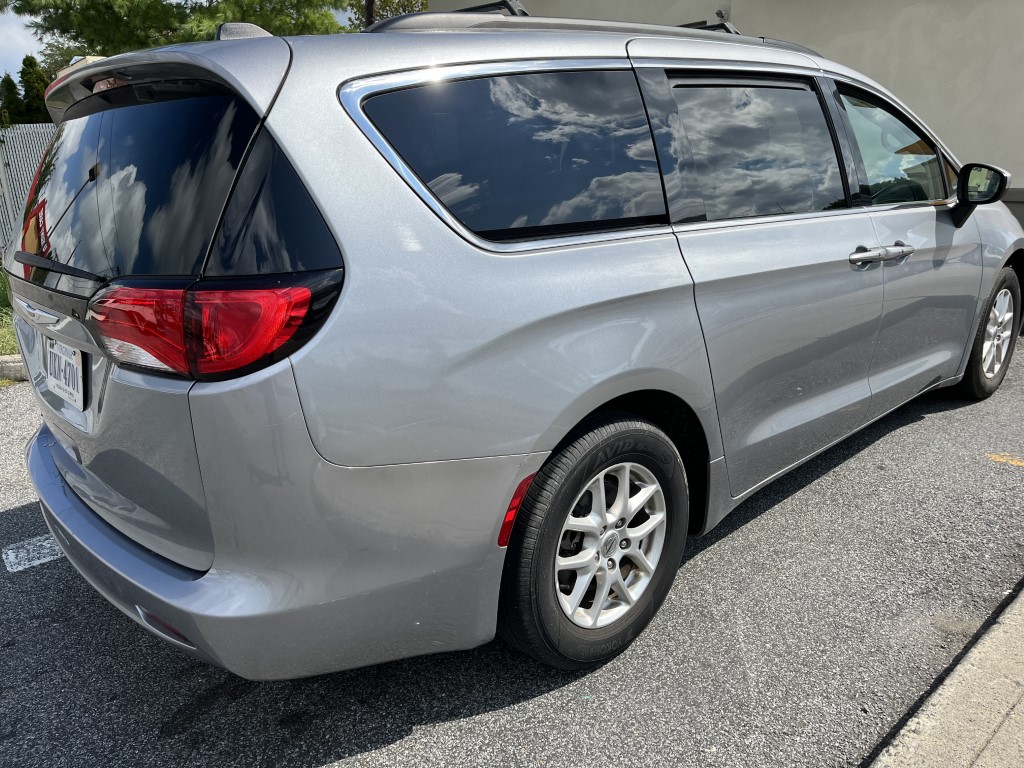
(21, 148)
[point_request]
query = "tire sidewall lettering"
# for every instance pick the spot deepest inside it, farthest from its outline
(597, 645)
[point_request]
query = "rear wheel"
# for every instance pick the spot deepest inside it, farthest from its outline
(596, 546)
(996, 339)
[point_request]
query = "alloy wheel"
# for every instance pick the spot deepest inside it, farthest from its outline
(610, 545)
(998, 333)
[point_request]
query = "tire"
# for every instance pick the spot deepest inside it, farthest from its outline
(537, 592)
(995, 341)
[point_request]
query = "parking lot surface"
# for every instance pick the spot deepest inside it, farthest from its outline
(797, 633)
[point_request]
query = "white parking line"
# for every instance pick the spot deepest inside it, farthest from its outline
(31, 552)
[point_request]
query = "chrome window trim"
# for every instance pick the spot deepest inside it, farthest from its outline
(702, 226)
(354, 92)
(746, 221)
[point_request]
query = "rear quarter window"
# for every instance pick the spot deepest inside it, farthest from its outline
(271, 224)
(532, 155)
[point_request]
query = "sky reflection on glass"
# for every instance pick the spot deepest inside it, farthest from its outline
(900, 165)
(521, 154)
(760, 150)
(138, 190)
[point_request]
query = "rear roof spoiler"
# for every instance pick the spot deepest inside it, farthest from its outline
(252, 68)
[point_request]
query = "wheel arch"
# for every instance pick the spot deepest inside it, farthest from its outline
(677, 419)
(1016, 263)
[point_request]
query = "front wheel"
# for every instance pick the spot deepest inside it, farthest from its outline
(996, 339)
(597, 544)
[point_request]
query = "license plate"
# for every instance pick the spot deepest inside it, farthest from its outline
(64, 372)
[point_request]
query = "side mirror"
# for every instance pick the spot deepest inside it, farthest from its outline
(977, 184)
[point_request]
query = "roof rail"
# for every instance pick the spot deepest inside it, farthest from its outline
(514, 8)
(464, 21)
(715, 26)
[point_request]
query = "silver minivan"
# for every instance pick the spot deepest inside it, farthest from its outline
(352, 348)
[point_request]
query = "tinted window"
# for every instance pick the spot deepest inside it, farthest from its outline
(682, 187)
(529, 155)
(136, 190)
(271, 224)
(759, 149)
(900, 165)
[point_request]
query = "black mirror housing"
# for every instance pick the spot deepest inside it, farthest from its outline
(977, 184)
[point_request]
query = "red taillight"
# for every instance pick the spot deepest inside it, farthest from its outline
(211, 330)
(513, 509)
(143, 326)
(232, 329)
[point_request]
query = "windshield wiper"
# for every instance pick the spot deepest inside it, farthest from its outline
(33, 260)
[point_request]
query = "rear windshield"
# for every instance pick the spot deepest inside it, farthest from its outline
(137, 190)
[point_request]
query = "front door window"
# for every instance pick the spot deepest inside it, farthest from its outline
(900, 165)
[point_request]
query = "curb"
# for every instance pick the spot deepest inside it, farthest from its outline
(926, 730)
(13, 367)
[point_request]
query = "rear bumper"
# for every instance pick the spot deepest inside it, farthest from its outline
(293, 615)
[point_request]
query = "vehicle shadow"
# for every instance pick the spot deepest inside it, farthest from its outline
(937, 401)
(319, 720)
(117, 679)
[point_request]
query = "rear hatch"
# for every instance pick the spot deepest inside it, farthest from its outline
(161, 245)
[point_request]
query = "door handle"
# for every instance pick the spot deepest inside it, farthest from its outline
(863, 255)
(898, 250)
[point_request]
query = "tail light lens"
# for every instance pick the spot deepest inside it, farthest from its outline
(212, 329)
(142, 326)
(230, 329)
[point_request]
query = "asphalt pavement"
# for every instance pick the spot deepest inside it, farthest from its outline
(801, 632)
(975, 717)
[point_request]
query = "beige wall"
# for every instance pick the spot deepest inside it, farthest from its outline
(956, 63)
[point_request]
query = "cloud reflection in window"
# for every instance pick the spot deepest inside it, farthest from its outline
(760, 150)
(528, 155)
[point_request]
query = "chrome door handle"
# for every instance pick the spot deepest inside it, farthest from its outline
(898, 250)
(864, 255)
(35, 314)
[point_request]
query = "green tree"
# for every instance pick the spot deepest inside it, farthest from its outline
(12, 108)
(33, 90)
(280, 17)
(57, 53)
(383, 9)
(69, 28)
(109, 27)
(103, 27)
